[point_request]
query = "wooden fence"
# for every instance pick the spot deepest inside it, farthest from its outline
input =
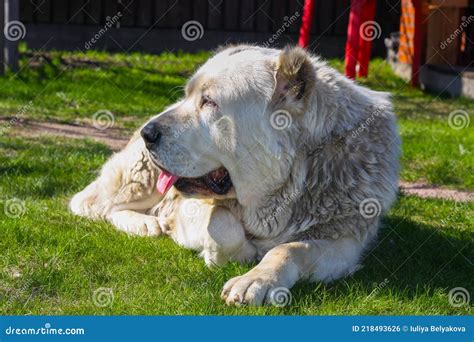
(155, 25)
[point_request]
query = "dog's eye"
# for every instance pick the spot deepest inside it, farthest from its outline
(207, 101)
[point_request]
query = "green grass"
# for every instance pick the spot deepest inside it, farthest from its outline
(71, 87)
(52, 262)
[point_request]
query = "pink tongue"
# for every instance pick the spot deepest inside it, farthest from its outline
(165, 181)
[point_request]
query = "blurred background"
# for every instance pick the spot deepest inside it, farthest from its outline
(155, 25)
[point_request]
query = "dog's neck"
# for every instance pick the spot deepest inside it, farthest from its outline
(280, 215)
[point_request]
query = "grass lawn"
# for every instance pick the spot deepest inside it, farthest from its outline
(56, 263)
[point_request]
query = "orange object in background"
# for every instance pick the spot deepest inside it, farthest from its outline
(412, 35)
(407, 32)
(425, 27)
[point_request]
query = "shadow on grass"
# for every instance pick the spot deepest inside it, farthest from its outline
(408, 259)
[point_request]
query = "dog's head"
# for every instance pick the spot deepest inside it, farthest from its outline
(235, 132)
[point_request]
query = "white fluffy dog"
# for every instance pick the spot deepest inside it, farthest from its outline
(270, 156)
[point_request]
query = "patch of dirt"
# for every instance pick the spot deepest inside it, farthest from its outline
(425, 190)
(117, 138)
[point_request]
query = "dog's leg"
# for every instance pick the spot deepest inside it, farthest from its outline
(133, 222)
(85, 203)
(284, 265)
(224, 239)
(204, 227)
(123, 192)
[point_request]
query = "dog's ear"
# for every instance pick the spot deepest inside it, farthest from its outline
(294, 77)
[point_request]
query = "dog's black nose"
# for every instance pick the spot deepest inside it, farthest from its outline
(151, 134)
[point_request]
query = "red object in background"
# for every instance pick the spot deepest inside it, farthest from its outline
(365, 43)
(352, 42)
(358, 47)
(306, 22)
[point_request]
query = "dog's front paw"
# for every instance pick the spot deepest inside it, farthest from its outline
(256, 287)
(136, 223)
(149, 227)
(86, 204)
